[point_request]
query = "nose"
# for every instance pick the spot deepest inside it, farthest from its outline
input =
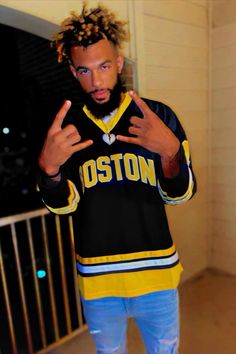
(97, 80)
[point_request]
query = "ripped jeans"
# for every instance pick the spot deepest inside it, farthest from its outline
(156, 315)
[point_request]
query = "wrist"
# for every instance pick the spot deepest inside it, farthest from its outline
(53, 175)
(50, 171)
(56, 177)
(171, 166)
(53, 172)
(171, 153)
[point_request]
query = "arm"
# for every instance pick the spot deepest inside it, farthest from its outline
(60, 197)
(159, 131)
(59, 193)
(182, 187)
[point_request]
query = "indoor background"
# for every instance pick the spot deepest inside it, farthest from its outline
(184, 52)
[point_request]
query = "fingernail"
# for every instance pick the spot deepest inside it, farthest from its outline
(131, 92)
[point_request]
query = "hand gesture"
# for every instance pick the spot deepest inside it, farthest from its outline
(150, 132)
(60, 143)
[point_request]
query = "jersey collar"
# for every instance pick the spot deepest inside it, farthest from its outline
(114, 119)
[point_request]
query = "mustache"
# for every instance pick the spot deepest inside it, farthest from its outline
(98, 90)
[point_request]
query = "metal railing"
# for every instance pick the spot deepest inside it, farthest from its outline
(41, 305)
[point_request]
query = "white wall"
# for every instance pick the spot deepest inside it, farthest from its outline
(223, 255)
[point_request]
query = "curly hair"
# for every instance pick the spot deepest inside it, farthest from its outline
(88, 28)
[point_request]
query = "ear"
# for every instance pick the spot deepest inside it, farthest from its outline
(120, 63)
(72, 69)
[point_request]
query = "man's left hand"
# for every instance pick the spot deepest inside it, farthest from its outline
(150, 132)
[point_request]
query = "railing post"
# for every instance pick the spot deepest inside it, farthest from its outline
(63, 276)
(50, 280)
(22, 291)
(77, 296)
(36, 285)
(8, 307)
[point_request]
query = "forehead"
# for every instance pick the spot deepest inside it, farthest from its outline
(94, 54)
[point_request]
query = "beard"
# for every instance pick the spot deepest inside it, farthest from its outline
(100, 110)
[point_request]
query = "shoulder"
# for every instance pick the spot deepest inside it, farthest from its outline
(158, 107)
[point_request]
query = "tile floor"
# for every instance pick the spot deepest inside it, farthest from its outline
(208, 319)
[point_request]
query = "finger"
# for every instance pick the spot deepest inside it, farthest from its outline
(127, 139)
(81, 146)
(137, 122)
(57, 123)
(74, 139)
(135, 131)
(69, 130)
(139, 102)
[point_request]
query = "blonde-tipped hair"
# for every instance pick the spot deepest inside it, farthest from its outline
(88, 28)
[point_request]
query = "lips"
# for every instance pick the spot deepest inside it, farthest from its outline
(100, 95)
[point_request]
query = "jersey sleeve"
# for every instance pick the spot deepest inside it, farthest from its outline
(59, 197)
(182, 187)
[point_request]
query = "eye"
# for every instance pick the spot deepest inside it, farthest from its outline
(105, 66)
(83, 71)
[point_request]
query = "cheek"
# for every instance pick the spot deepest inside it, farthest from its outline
(85, 83)
(112, 78)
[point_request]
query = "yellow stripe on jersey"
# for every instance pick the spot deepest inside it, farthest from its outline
(73, 200)
(188, 194)
(130, 283)
(127, 256)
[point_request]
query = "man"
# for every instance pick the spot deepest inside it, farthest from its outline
(115, 163)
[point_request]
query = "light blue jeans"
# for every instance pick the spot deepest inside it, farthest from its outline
(156, 315)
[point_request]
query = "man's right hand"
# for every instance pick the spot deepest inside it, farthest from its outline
(61, 143)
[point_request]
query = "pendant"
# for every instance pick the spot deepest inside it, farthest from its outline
(109, 138)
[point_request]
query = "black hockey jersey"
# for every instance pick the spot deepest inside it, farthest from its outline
(117, 192)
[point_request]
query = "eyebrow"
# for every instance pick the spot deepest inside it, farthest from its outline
(77, 68)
